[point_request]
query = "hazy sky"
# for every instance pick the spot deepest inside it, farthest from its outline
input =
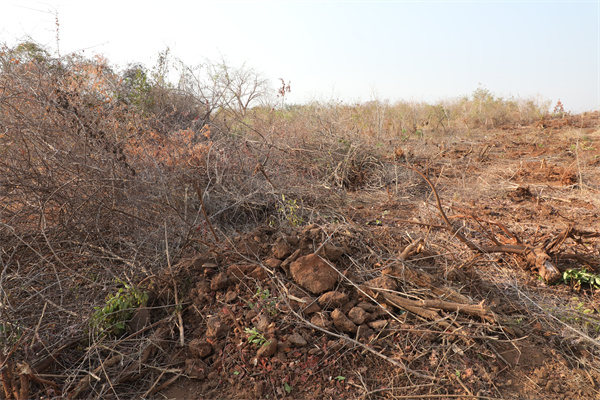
(352, 51)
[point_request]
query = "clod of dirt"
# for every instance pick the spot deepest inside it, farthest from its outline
(268, 349)
(282, 250)
(297, 340)
(321, 320)
(200, 348)
(383, 282)
(357, 315)
(342, 322)
(215, 328)
(196, 369)
(333, 299)
(313, 274)
(220, 281)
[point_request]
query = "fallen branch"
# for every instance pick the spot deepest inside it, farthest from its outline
(86, 381)
(537, 257)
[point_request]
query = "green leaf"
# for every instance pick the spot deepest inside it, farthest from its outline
(287, 388)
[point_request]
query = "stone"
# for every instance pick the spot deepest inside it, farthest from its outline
(273, 262)
(333, 299)
(200, 348)
(313, 274)
(220, 281)
(258, 390)
(342, 322)
(368, 307)
(215, 328)
(297, 340)
(196, 369)
(383, 282)
(140, 319)
(379, 324)
(240, 271)
(261, 322)
(230, 296)
(268, 349)
(321, 320)
(364, 332)
(258, 273)
(310, 306)
(286, 263)
(281, 250)
(357, 315)
(331, 252)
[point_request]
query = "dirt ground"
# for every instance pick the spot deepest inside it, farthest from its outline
(388, 292)
(266, 319)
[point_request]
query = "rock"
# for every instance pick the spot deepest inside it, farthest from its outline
(368, 307)
(333, 299)
(200, 348)
(215, 328)
(268, 349)
(341, 322)
(383, 282)
(331, 252)
(313, 274)
(220, 281)
(357, 315)
(196, 369)
(348, 306)
(230, 296)
(297, 340)
(313, 233)
(364, 332)
(311, 306)
(258, 390)
(291, 259)
(140, 319)
(379, 324)
(273, 262)
(240, 270)
(258, 273)
(214, 376)
(261, 322)
(321, 320)
(281, 250)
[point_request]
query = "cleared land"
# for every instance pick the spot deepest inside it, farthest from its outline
(319, 251)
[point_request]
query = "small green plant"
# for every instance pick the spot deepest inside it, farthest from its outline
(113, 317)
(265, 301)
(580, 276)
(340, 378)
(255, 337)
(287, 388)
(289, 209)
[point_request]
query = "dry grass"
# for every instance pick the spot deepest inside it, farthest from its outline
(98, 187)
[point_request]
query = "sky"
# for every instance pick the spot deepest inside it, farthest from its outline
(351, 51)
